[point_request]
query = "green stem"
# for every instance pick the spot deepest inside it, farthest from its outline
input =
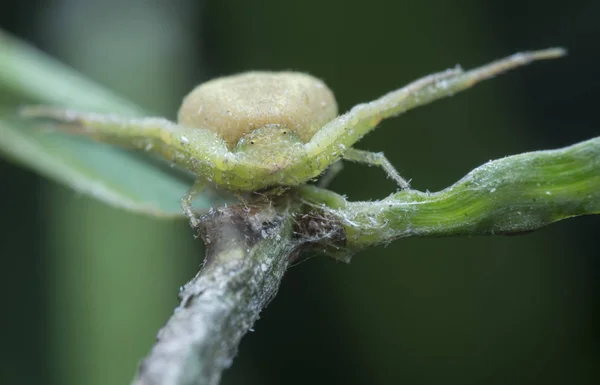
(511, 195)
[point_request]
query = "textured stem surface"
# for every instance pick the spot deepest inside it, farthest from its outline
(515, 194)
(248, 251)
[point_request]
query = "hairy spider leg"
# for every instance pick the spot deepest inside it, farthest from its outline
(341, 133)
(194, 149)
(330, 174)
(197, 150)
(188, 199)
(376, 159)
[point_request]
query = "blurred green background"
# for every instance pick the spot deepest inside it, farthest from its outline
(85, 287)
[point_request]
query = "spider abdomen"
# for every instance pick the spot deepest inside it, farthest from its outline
(234, 106)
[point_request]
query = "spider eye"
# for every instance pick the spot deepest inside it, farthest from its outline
(251, 142)
(284, 132)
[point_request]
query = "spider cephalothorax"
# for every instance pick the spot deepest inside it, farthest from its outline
(257, 130)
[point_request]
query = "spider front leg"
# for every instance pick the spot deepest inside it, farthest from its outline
(376, 159)
(341, 133)
(197, 150)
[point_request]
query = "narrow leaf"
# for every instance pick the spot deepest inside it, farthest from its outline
(109, 174)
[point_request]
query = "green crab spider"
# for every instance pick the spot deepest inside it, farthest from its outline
(259, 130)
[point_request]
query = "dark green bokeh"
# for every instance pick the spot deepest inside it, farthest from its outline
(519, 310)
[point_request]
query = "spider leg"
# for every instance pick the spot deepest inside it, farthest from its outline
(376, 159)
(188, 199)
(197, 150)
(330, 174)
(331, 141)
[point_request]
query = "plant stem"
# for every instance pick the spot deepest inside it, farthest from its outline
(516, 194)
(248, 251)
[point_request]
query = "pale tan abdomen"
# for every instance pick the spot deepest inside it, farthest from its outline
(235, 105)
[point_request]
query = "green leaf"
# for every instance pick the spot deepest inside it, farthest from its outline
(114, 176)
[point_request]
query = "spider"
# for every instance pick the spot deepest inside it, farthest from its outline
(260, 130)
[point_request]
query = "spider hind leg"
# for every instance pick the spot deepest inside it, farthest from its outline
(188, 199)
(330, 174)
(376, 159)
